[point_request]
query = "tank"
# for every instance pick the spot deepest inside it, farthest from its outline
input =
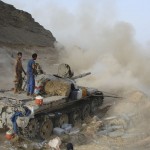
(57, 100)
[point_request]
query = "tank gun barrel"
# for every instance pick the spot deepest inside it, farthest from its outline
(81, 75)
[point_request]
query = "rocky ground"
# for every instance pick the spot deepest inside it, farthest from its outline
(121, 126)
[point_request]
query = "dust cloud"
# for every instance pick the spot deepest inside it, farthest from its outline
(118, 65)
(116, 62)
(94, 40)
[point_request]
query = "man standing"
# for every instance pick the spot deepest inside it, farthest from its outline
(30, 75)
(18, 73)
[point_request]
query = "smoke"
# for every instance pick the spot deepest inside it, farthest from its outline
(109, 50)
(95, 41)
(115, 61)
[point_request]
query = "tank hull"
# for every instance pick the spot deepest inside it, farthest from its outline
(26, 118)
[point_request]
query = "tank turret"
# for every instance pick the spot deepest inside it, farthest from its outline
(64, 71)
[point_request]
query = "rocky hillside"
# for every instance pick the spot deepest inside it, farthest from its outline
(18, 28)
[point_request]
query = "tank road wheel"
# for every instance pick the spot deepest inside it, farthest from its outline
(86, 111)
(32, 129)
(46, 129)
(61, 120)
(94, 106)
(75, 117)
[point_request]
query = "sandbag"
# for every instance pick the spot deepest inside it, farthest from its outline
(57, 87)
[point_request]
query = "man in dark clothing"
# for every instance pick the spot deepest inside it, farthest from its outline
(31, 75)
(18, 73)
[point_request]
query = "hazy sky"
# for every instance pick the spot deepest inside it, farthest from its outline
(50, 12)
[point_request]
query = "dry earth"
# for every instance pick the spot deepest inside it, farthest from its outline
(125, 125)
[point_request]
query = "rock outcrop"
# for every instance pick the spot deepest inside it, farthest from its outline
(18, 28)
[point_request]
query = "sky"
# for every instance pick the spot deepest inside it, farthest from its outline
(50, 12)
(136, 12)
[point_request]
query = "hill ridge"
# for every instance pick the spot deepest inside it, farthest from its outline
(17, 27)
